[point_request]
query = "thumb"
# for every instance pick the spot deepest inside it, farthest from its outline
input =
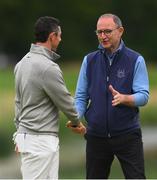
(113, 91)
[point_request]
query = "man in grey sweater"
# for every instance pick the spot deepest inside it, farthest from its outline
(40, 94)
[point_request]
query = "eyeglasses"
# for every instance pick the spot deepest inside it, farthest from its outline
(107, 32)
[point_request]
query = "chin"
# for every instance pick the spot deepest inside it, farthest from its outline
(106, 46)
(53, 49)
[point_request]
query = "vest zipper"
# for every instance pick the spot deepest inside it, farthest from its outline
(108, 65)
(107, 78)
(110, 62)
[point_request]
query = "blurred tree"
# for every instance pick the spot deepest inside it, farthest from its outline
(78, 19)
(139, 21)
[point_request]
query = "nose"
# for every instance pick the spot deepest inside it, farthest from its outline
(103, 35)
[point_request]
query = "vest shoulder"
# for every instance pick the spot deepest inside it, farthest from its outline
(93, 55)
(131, 52)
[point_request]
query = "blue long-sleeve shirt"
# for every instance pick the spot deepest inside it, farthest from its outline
(140, 85)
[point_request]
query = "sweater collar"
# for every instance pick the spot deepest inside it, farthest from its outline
(44, 51)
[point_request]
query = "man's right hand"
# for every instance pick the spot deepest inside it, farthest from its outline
(79, 129)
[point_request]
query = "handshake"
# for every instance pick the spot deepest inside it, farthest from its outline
(80, 128)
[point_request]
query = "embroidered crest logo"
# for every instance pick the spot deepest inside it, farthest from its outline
(121, 73)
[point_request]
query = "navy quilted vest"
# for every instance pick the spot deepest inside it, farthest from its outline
(103, 119)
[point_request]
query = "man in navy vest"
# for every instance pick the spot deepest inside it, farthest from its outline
(112, 84)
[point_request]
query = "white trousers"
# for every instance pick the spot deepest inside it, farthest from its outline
(39, 156)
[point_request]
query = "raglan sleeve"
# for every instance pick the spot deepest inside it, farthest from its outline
(56, 89)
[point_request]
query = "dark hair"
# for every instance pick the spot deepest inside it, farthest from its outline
(44, 26)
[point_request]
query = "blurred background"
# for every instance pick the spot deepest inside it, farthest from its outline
(78, 20)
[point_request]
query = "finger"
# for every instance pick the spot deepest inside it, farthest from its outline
(116, 96)
(113, 91)
(73, 128)
(68, 124)
(78, 131)
(115, 102)
(83, 131)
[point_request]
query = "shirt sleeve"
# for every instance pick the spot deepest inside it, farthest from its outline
(56, 89)
(17, 105)
(140, 83)
(81, 94)
(17, 112)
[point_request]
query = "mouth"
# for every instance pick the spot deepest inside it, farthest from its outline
(104, 42)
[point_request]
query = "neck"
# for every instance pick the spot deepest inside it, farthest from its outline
(113, 48)
(44, 44)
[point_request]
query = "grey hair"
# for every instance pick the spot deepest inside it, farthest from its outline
(116, 19)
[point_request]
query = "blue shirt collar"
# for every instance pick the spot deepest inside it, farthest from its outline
(111, 56)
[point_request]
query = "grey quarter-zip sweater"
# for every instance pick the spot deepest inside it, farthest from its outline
(41, 93)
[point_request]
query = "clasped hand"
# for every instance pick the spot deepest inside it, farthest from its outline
(80, 128)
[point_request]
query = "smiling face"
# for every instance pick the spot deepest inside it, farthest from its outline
(109, 33)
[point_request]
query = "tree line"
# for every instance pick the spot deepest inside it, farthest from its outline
(78, 20)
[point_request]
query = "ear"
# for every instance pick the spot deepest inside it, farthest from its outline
(52, 35)
(121, 30)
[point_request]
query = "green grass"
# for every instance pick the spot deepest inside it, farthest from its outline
(6, 80)
(72, 157)
(70, 74)
(152, 72)
(72, 146)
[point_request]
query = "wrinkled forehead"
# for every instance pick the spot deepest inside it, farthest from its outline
(105, 22)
